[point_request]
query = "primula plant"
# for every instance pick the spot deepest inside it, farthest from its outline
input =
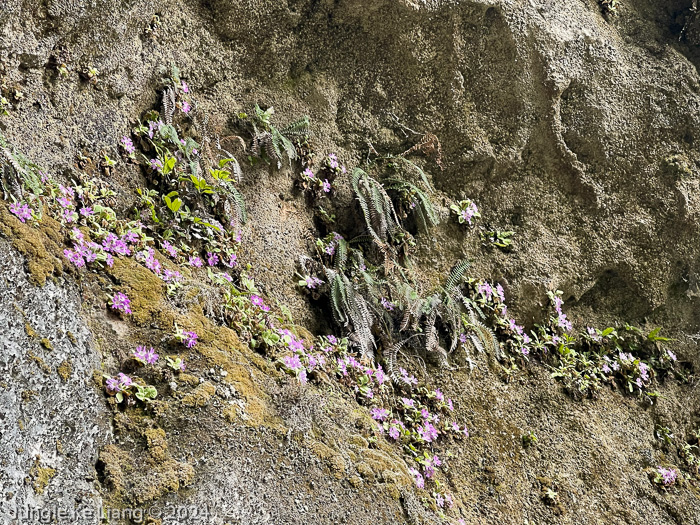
(465, 210)
(665, 477)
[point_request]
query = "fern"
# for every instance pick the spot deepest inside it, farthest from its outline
(273, 142)
(456, 276)
(169, 105)
(298, 128)
(341, 255)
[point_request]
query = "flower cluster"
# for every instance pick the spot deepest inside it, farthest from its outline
(145, 356)
(123, 387)
(666, 476)
(466, 210)
(121, 302)
(21, 210)
(187, 338)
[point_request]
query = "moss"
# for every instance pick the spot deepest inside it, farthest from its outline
(358, 441)
(71, 337)
(41, 246)
(355, 481)
(188, 379)
(168, 476)
(30, 331)
(109, 467)
(41, 476)
(200, 396)
(384, 463)
(39, 361)
(145, 290)
(46, 343)
(157, 444)
(64, 370)
(364, 470)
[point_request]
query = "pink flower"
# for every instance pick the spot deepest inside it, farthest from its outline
(186, 107)
(21, 210)
(121, 302)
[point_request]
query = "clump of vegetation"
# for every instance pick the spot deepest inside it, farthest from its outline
(609, 6)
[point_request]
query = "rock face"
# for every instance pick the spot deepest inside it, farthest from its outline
(53, 421)
(574, 128)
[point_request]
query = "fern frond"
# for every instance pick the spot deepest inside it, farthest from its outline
(456, 275)
(169, 105)
(298, 128)
(341, 255)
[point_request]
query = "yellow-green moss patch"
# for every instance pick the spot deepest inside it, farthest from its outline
(64, 370)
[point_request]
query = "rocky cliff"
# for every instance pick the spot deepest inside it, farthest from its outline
(549, 145)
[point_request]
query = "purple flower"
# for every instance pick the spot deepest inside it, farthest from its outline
(302, 377)
(128, 145)
(408, 403)
(380, 414)
(232, 261)
(185, 88)
(212, 259)
(189, 339)
(258, 301)
(86, 212)
(124, 381)
(439, 395)
(171, 276)
(499, 293)
(131, 237)
(468, 213)
(439, 500)
(485, 290)
(186, 107)
(332, 339)
(21, 210)
(170, 249)
(515, 327)
(394, 432)
(148, 357)
(156, 165)
(308, 173)
(74, 257)
(121, 302)
(330, 249)
(65, 202)
(195, 261)
(379, 376)
(563, 322)
(420, 482)
(668, 475)
(69, 191)
(293, 362)
(112, 385)
(387, 304)
(326, 186)
(671, 355)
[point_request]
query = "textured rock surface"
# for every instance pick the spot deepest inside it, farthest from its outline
(52, 421)
(576, 130)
